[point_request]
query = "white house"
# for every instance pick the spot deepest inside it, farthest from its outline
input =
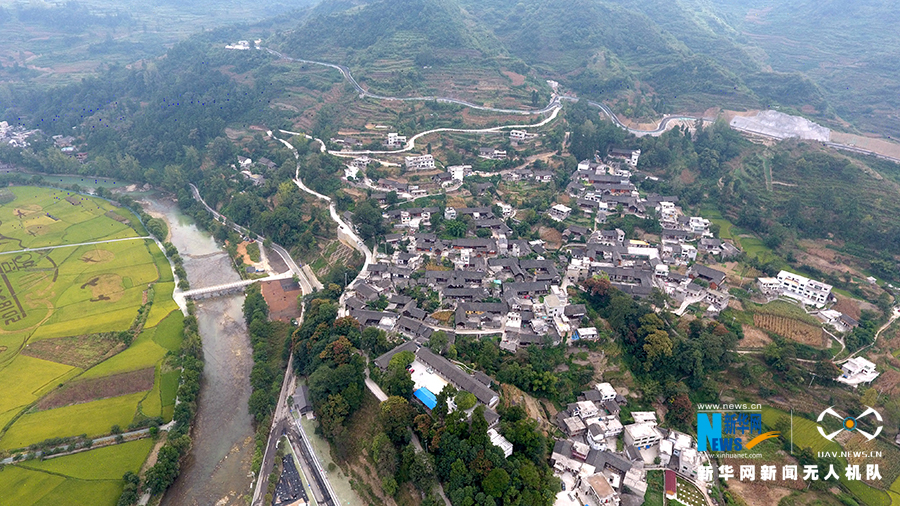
(459, 172)
(769, 286)
(518, 135)
(857, 370)
(599, 491)
(698, 225)
(560, 212)
(586, 333)
(501, 442)
(423, 162)
(807, 291)
(607, 392)
(395, 141)
(351, 171)
(642, 435)
(450, 213)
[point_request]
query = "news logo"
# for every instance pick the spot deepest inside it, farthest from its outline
(850, 423)
(730, 431)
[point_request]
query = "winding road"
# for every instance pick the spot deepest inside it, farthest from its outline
(554, 104)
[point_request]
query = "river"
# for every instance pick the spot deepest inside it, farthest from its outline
(217, 470)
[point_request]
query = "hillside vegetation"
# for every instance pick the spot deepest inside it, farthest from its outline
(655, 57)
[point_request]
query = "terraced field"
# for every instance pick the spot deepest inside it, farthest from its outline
(86, 332)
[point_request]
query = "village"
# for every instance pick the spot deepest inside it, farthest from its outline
(485, 283)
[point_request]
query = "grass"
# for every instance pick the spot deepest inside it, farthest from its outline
(73, 293)
(163, 268)
(151, 405)
(23, 486)
(23, 377)
(168, 332)
(168, 388)
(755, 247)
(87, 493)
(91, 418)
(715, 216)
(106, 463)
(26, 219)
(163, 304)
(656, 488)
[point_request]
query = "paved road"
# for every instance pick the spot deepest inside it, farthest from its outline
(345, 230)
(78, 244)
(554, 102)
(307, 279)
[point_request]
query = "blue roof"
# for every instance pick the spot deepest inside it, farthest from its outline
(427, 397)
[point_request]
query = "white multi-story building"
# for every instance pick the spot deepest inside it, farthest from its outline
(518, 135)
(807, 291)
(459, 172)
(395, 141)
(423, 162)
(607, 392)
(560, 212)
(698, 225)
(642, 435)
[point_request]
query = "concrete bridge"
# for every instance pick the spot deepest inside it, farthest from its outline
(228, 288)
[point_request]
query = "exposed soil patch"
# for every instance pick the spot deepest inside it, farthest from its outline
(512, 396)
(281, 296)
(754, 337)
(78, 351)
(242, 253)
(118, 217)
(847, 306)
(517, 79)
(551, 236)
(105, 287)
(98, 256)
(100, 388)
(73, 200)
(758, 494)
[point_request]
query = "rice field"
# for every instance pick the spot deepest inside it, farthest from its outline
(76, 303)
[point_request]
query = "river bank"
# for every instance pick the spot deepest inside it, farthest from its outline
(217, 470)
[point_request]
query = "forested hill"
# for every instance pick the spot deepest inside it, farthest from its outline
(660, 56)
(389, 29)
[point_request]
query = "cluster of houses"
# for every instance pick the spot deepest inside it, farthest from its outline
(589, 460)
(492, 287)
(251, 171)
(431, 373)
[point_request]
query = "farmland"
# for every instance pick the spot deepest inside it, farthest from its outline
(85, 330)
(790, 328)
(805, 435)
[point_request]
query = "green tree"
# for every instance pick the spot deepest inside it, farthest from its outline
(495, 483)
(396, 414)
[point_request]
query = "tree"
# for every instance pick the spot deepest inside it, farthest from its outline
(464, 400)
(680, 409)
(396, 415)
(657, 345)
(495, 483)
(456, 228)
(421, 471)
(402, 360)
(438, 341)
